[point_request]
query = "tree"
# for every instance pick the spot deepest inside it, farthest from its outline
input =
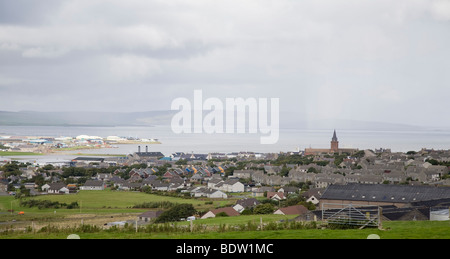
(230, 170)
(312, 170)
(322, 163)
(284, 171)
(48, 167)
(432, 161)
(176, 213)
(181, 162)
(266, 208)
(222, 214)
(38, 179)
(247, 211)
(11, 168)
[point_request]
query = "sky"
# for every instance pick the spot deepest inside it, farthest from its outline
(386, 61)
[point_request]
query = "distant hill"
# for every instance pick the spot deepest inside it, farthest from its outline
(31, 118)
(297, 120)
(288, 120)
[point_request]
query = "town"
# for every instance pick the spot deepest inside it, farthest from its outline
(47, 145)
(408, 186)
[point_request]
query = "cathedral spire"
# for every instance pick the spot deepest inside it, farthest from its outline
(334, 143)
(334, 136)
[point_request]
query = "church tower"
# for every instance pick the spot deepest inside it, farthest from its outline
(334, 143)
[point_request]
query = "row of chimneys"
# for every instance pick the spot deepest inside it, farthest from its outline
(139, 149)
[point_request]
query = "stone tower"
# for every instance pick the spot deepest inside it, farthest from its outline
(334, 143)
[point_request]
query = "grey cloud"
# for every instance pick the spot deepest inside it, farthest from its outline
(27, 12)
(325, 59)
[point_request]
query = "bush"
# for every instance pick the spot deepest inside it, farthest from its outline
(73, 205)
(154, 205)
(264, 209)
(221, 214)
(247, 212)
(46, 204)
(176, 213)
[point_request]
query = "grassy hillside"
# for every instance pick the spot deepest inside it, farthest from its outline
(100, 207)
(98, 201)
(395, 230)
(32, 118)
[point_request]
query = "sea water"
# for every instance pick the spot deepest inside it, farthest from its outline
(290, 139)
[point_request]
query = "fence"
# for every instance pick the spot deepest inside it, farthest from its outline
(363, 216)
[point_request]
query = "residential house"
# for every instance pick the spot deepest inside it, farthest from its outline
(178, 180)
(433, 173)
(259, 192)
(370, 179)
(150, 180)
(45, 187)
(323, 183)
(104, 177)
(300, 175)
(130, 186)
(139, 174)
(171, 174)
(277, 196)
(323, 180)
(313, 195)
(150, 215)
(209, 193)
(57, 188)
(272, 169)
(394, 176)
(292, 210)
(176, 186)
(244, 204)
(245, 174)
(230, 185)
(72, 188)
(229, 211)
(3, 187)
(28, 172)
(31, 187)
(196, 178)
(213, 182)
(204, 172)
(135, 176)
(431, 176)
(289, 190)
(216, 156)
(160, 186)
(197, 191)
(93, 185)
(352, 178)
(117, 181)
(233, 185)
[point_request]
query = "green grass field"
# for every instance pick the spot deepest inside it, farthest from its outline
(99, 202)
(395, 230)
(110, 205)
(12, 153)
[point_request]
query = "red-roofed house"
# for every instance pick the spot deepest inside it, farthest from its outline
(278, 196)
(228, 210)
(292, 210)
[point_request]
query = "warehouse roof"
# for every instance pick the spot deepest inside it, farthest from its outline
(385, 193)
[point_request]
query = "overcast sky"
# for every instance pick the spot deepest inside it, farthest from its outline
(362, 59)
